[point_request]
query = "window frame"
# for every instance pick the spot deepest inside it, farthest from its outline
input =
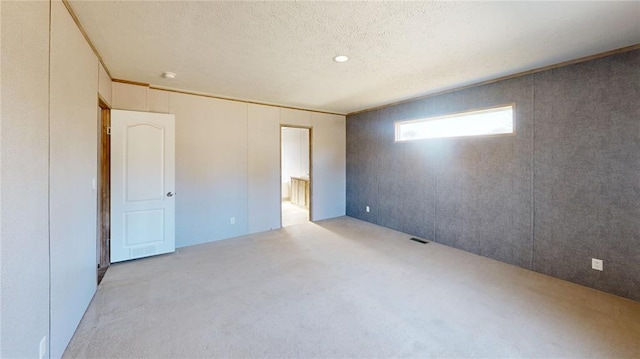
(398, 123)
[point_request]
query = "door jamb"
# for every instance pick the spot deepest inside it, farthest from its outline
(104, 190)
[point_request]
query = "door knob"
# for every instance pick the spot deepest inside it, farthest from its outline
(169, 194)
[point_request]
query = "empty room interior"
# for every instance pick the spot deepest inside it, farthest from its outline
(319, 179)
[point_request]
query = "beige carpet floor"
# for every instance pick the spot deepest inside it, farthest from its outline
(343, 288)
(292, 214)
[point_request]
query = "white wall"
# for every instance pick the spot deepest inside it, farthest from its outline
(104, 85)
(264, 167)
(24, 168)
(228, 161)
(295, 156)
(295, 117)
(139, 98)
(329, 183)
(48, 158)
(73, 166)
(211, 168)
(128, 97)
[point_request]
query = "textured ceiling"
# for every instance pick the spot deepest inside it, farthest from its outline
(281, 52)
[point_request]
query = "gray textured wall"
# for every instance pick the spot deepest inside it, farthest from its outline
(563, 189)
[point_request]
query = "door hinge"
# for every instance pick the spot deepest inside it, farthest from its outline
(108, 130)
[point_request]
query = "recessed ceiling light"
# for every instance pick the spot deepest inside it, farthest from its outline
(341, 58)
(169, 75)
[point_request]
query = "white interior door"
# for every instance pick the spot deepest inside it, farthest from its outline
(142, 184)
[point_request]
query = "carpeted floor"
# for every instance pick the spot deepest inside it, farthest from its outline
(292, 214)
(345, 288)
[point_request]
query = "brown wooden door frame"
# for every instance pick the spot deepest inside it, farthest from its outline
(104, 189)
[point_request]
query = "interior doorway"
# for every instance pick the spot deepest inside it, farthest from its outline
(295, 168)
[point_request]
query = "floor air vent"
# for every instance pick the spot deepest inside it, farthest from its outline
(418, 240)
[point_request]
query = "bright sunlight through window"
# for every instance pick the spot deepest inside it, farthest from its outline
(493, 121)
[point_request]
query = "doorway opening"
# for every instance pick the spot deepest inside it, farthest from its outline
(295, 168)
(104, 189)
